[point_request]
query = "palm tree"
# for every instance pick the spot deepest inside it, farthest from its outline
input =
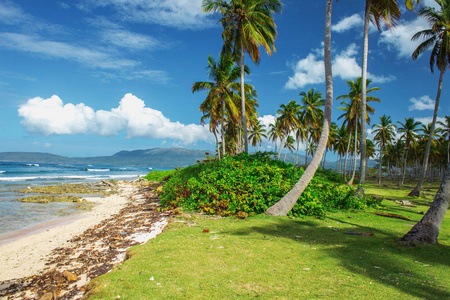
(341, 142)
(257, 132)
(220, 100)
(376, 10)
(285, 204)
(247, 24)
(384, 135)
(312, 114)
(289, 145)
(438, 38)
(288, 118)
(446, 128)
(353, 111)
(409, 136)
(274, 132)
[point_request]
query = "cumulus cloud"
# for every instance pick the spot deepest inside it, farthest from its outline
(52, 117)
(310, 70)
(428, 120)
(423, 103)
(348, 23)
(398, 39)
(175, 13)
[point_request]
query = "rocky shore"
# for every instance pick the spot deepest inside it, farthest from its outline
(59, 262)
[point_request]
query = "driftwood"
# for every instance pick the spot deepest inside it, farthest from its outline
(389, 215)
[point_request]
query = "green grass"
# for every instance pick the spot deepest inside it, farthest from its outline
(286, 258)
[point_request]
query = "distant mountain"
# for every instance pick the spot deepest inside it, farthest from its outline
(157, 157)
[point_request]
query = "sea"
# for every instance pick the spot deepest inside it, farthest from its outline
(15, 176)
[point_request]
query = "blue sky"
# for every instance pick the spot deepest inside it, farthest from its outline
(93, 77)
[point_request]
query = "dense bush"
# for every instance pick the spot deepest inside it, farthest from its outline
(159, 175)
(249, 184)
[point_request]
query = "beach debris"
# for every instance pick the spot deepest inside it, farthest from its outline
(389, 215)
(94, 252)
(47, 296)
(69, 276)
(359, 233)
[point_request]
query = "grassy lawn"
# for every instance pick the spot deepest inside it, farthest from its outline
(286, 258)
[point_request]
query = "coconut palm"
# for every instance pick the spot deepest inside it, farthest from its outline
(446, 130)
(288, 118)
(285, 204)
(353, 110)
(257, 132)
(247, 24)
(289, 145)
(274, 132)
(220, 100)
(341, 142)
(409, 135)
(384, 135)
(376, 11)
(438, 38)
(312, 113)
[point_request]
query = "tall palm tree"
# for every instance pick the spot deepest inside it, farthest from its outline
(247, 24)
(220, 100)
(285, 204)
(274, 132)
(288, 118)
(353, 111)
(409, 136)
(437, 38)
(312, 113)
(257, 132)
(341, 142)
(289, 145)
(446, 129)
(376, 10)
(384, 135)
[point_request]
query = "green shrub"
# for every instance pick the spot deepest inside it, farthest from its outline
(249, 184)
(159, 175)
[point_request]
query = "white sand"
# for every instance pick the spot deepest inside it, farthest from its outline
(24, 255)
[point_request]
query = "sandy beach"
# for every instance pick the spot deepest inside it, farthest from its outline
(33, 252)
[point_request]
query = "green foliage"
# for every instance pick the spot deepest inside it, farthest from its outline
(159, 175)
(249, 184)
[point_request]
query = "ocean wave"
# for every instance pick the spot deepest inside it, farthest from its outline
(98, 170)
(32, 165)
(1, 172)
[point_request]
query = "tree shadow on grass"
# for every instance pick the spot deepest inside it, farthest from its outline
(379, 257)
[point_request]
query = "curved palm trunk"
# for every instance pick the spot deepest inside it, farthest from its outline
(244, 117)
(426, 231)
(362, 148)
(350, 182)
(416, 191)
(381, 164)
(282, 207)
(346, 156)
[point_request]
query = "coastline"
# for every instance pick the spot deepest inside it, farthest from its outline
(24, 252)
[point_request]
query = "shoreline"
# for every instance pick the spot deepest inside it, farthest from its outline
(24, 251)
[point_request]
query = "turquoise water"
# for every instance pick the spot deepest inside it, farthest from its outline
(15, 215)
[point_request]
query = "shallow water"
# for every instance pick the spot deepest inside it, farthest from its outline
(15, 215)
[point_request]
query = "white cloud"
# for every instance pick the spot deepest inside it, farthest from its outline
(423, 103)
(428, 120)
(131, 40)
(398, 38)
(11, 13)
(52, 117)
(348, 23)
(175, 13)
(311, 70)
(60, 50)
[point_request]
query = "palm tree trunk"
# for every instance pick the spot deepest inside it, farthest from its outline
(346, 156)
(217, 144)
(283, 206)
(296, 157)
(362, 148)
(281, 148)
(350, 182)
(306, 149)
(381, 164)
(426, 231)
(405, 164)
(244, 117)
(222, 129)
(416, 191)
